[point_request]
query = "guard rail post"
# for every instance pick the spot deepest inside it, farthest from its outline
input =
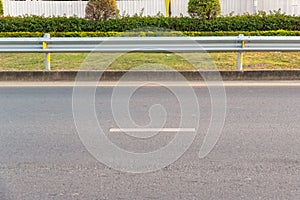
(240, 53)
(47, 55)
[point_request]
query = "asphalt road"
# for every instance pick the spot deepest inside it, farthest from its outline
(257, 156)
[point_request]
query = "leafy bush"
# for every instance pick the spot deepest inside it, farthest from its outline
(207, 9)
(257, 22)
(101, 9)
(1, 8)
(151, 34)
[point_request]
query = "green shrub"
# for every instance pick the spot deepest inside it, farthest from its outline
(151, 34)
(207, 9)
(257, 22)
(1, 8)
(101, 9)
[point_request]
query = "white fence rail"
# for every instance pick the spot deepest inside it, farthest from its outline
(149, 7)
(71, 8)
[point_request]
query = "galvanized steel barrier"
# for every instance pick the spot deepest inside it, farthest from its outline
(238, 44)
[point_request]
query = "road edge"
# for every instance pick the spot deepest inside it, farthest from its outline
(261, 75)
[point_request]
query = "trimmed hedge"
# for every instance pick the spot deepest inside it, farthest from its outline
(247, 22)
(151, 34)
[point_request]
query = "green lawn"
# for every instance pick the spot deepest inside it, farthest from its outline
(222, 61)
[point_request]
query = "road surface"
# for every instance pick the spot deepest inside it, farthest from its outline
(257, 156)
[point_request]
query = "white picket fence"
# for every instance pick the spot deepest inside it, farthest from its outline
(291, 7)
(149, 7)
(71, 8)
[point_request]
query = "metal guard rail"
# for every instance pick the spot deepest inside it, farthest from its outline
(238, 44)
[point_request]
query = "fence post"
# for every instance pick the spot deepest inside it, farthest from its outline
(240, 53)
(168, 7)
(47, 55)
(255, 5)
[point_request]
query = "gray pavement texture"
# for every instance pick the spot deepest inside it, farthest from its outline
(257, 156)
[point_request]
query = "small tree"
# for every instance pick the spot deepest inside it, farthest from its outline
(1, 8)
(101, 9)
(207, 9)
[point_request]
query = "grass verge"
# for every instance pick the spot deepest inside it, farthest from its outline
(222, 61)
